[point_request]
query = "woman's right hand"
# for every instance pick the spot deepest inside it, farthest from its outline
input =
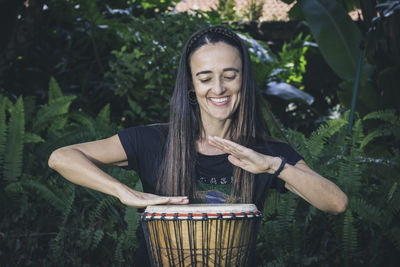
(137, 199)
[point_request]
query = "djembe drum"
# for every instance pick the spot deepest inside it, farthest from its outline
(201, 235)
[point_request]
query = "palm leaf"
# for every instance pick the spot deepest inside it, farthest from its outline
(15, 142)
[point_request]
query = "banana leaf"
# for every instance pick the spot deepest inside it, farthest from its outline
(288, 92)
(337, 35)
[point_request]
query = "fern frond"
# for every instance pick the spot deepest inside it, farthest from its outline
(271, 204)
(84, 120)
(132, 220)
(379, 132)
(318, 138)
(365, 211)
(15, 142)
(47, 113)
(59, 123)
(3, 133)
(68, 201)
(349, 237)
(54, 90)
(349, 174)
(388, 115)
(118, 255)
(357, 132)
(104, 114)
(46, 193)
(33, 138)
(57, 244)
(392, 191)
(97, 238)
(394, 235)
(105, 203)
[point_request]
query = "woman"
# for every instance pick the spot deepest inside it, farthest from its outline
(215, 147)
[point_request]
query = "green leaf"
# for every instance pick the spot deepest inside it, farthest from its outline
(104, 114)
(33, 138)
(58, 106)
(15, 142)
(3, 132)
(54, 90)
(336, 34)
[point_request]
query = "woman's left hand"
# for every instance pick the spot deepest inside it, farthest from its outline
(244, 157)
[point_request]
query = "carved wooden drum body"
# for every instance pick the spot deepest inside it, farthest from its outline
(201, 235)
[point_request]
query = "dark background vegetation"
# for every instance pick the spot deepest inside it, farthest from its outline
(74, 71)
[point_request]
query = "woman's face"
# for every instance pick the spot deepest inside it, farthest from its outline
(217, 80)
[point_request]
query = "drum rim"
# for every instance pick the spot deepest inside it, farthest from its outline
(201, 211)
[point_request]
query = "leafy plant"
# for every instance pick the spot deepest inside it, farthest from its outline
(144, 69)
(293, 233)
(52, 218)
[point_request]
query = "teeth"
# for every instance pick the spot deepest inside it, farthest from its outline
(219, 100)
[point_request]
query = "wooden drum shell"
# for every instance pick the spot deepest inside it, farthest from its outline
(201, 235)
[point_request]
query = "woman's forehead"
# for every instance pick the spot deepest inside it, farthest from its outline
(217, 55)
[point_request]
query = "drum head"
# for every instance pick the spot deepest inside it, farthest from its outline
(202, 208)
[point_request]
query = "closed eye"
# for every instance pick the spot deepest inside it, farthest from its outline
(205, 80)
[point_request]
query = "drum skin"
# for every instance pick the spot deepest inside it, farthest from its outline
(201, 235)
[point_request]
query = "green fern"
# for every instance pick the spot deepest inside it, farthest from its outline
(15, 142)
(365, 210)
(104, 204)
(54, 90)
(3, 133)
(32, 138)
(104, 114)
(53, 198)
(48, 112)
(97, 238)
(384, 115)
(349, 236)
(375, 134)
(132, 220)
(316, 142)
(68, 202)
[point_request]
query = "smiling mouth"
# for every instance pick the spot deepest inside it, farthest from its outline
(220, 100)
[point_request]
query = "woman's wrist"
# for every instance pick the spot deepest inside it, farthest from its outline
(280, 163)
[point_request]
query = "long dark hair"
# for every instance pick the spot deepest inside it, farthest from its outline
(177, 173)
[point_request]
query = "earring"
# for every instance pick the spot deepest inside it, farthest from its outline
(192, 98)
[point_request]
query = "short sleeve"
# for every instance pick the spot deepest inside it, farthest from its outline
(265, 181)
(142, 144)
(292, 157)
(144, 147)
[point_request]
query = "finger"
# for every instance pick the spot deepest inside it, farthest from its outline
(235, 161)
(180, 201)
(228, 146)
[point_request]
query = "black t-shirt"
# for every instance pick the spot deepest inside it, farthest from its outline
(144, 147)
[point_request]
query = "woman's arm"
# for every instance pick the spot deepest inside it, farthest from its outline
(80, 164)
(299, 179)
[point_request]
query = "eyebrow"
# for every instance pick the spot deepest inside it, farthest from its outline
(209, 71)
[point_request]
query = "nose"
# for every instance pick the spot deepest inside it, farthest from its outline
(219, 87)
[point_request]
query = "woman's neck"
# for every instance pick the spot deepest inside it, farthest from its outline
(216, 128)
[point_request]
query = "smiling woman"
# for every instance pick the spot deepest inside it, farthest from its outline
(215, 148)
(217, 79)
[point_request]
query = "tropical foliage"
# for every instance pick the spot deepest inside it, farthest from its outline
(116, 63)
